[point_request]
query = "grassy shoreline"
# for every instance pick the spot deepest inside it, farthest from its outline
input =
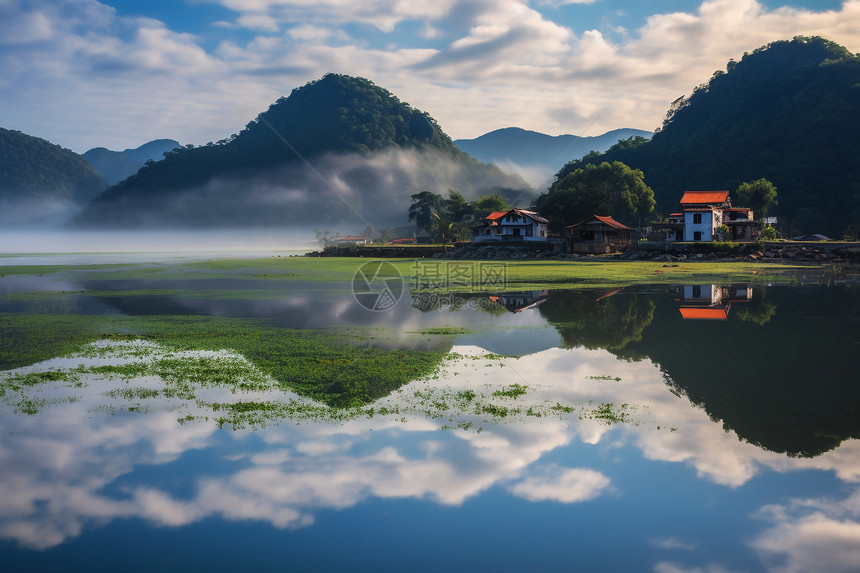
(462, 275)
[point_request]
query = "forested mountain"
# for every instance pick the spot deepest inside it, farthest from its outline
(533, 152)
(788, 112)
(114, 166)
(39, 179)
(337, 150)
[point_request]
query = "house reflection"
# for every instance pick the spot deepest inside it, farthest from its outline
(519, 301)
(710, 302)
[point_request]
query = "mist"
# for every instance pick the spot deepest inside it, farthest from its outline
(234, 242)
(343, 194)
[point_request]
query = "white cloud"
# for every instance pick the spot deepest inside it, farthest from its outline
(811, 535)
(564, 485)
(78, 74)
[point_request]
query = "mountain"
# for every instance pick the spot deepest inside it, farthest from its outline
(114, 166)
(788, 112)
(152, 151)
(339, 151)
(39, 179)
(534, 153)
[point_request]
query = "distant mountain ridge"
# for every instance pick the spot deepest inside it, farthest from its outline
(339, 151)
(513, 147)
(39, 179)
(114, 166)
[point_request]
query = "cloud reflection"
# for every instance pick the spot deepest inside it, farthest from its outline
(56, 483)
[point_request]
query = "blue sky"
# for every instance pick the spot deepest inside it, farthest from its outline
(84, 73)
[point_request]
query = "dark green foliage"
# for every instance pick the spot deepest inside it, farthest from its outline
(612, 323)
(788, 112)
(34, 169)
(487, 204)
(448, 220)
(597, 189)
(425, 207)
(324, 365)
(759, 195)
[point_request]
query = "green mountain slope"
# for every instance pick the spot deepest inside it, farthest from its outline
(31, 167)
(788, 112)
(337, 150)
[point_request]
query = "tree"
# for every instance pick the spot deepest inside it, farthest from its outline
(425, 207)
(759, 195)
(612, 189)
(486, 204)
(457, 208)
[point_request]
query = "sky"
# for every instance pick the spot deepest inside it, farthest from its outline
(116, 74)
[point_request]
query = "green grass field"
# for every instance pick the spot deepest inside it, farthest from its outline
(518, 275)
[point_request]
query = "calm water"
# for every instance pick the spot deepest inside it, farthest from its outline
(732, 446)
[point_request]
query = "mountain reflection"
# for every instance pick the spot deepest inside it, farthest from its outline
(122, 462)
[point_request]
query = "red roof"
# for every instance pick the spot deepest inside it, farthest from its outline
(676, 214)
(496, 215)
(534, 216)
(705, 313)
(704, 197)
(606, 220)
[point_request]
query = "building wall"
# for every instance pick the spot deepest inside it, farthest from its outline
(505, 232)
(710, 221)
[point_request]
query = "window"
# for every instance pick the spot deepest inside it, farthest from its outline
(697, 219)
(697, 235)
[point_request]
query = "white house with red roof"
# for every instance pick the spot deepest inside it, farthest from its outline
(703, 212)
(513, 225)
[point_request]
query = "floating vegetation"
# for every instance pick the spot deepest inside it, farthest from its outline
(446, 331)
(604, 377)
(338, 367)
(512, 391)
(229, 390)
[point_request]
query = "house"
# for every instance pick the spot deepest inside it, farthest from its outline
(351, 240)
(710, 302)
(517, 302)
(513, 225)
(598, 235)
(703, 212)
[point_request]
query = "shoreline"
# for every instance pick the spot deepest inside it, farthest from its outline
(781, 251)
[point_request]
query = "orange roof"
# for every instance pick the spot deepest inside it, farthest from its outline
(496, 215)
(705, 313)
(704, 197)
(607, 220)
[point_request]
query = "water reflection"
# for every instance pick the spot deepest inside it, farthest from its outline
(121, 463)
(764, 393)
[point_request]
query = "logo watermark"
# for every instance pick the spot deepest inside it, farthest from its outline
(378, 285)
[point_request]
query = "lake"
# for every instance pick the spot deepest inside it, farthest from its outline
(657, 427)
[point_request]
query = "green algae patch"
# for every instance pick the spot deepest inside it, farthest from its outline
(333, 367)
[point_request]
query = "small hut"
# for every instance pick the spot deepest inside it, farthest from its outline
(599, 235)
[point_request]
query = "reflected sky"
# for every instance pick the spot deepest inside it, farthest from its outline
(683, 481)
(60, 488)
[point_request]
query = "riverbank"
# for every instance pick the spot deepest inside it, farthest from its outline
(783, 251)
